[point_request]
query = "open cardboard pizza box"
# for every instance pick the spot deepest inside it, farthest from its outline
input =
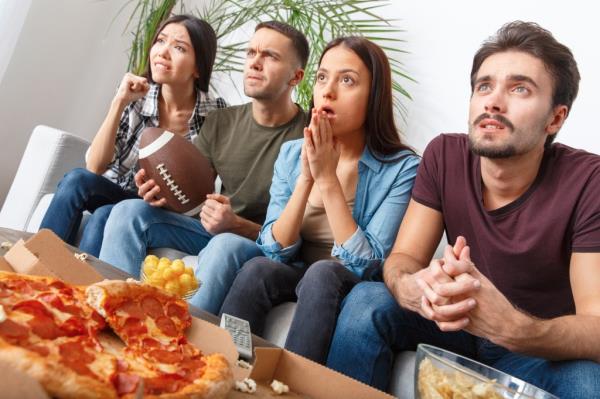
(46, 254)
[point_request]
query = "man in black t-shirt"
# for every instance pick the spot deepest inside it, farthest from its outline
(519, 289)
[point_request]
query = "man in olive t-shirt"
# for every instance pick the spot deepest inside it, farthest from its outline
(519, 289)
(242, 144)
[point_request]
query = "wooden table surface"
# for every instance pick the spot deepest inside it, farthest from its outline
(112, 273)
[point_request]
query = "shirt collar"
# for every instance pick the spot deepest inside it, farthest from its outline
(150, 107)
(368, 159)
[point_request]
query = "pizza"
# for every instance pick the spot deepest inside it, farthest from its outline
(64, 336)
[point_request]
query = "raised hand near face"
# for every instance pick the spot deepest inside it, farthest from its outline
(132, 88)
(322, 149)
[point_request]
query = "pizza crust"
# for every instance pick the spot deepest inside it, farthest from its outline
(56, 378)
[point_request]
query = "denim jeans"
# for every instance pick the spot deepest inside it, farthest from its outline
(134, 226)
(218, 264)
(78, 191)
(372, 327)
(263, 283)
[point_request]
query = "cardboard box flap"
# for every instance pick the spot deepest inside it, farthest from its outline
(45, 254)
(210, 338)
(5, 266)
(307, 377)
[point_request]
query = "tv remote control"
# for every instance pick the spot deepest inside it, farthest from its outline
(240, 332)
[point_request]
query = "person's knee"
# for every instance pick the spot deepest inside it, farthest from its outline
(126, 215)
(224, 244)
(367, 303)
(257, 270)
(78, 180)
(321, 277)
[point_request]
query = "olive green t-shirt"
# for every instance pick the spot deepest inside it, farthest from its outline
(242, 152)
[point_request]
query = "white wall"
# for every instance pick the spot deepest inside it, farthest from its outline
(68, 61)
(65, 68)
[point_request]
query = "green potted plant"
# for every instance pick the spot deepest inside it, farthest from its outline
(320, 20)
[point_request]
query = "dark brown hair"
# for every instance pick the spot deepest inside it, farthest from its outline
(298, 39)
(530, 38)
(381, 135)
(204, 41)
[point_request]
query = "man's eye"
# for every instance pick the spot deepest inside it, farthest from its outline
(521, 89)
(483, 87)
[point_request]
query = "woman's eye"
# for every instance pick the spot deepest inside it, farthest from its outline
(320, 77)
(347, 80)
(180, 48)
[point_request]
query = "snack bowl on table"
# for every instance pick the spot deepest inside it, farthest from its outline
(443, 374)
(178, 280)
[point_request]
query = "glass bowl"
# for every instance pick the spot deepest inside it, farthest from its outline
(443, 374)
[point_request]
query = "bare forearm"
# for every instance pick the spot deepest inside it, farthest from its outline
(561, 338)
(286, 230)
(339, 215)
(103, 146)
(246, 228)
(398, 273)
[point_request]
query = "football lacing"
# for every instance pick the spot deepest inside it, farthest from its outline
(173, 187)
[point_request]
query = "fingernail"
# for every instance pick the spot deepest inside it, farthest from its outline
(471, 302)
(476, 284)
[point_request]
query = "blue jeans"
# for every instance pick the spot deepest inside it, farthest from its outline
(218, 264)
(78, 191)
(134, 226)
(372, 327)
(264, 283)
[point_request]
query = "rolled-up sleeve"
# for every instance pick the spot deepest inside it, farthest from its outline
(281, 189)
(368, 247)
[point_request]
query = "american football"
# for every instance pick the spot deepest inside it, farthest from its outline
(183, 174)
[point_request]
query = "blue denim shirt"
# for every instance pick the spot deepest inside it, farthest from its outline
(382, 195)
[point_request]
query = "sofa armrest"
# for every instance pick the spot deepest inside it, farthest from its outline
(50, 153)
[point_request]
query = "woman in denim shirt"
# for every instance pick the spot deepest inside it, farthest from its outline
(337, 199)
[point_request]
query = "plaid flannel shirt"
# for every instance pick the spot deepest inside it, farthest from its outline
(139, 115)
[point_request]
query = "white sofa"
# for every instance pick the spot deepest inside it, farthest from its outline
(51, 153)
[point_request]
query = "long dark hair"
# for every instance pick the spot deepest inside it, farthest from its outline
(381, 135)
(204, 41)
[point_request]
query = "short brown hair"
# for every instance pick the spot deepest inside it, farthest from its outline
(530, 38)
(298, 39)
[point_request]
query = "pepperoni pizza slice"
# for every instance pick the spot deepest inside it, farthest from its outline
(49, 333)
(152, 324)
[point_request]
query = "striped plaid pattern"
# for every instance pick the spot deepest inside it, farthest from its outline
(139, 115)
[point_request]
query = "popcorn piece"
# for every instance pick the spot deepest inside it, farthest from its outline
(6, 245)
(243, 364)
(279, 387)
(82, 256)
(247, 385)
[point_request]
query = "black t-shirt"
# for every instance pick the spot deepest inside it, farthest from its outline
(524, 247)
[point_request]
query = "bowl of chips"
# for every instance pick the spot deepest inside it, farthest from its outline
(443, 374)
(172, 276)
